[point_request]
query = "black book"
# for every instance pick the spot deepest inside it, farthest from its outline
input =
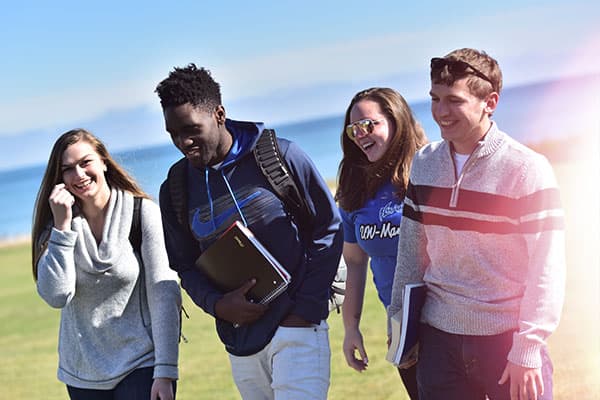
(404, 346)
(236, 257)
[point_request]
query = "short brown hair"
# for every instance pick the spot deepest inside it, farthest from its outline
(481, 63)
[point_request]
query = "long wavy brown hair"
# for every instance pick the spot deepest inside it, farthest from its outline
(358, 178)
(115, 175)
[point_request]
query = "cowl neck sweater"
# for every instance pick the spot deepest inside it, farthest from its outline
(99, 258)
(116, 315)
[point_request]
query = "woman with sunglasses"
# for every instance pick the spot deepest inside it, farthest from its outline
(119, 325)
(379, 140)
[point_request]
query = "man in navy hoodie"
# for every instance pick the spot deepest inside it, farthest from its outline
(279, 350)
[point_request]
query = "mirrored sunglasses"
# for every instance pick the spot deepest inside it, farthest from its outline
(365, 125)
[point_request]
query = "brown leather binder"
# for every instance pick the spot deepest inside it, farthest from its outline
(236, 257)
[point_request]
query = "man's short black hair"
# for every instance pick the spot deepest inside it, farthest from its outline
(189, 85)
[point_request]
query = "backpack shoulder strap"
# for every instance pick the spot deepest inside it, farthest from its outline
(177, 181)
(135, 238)
(274, 167)
(135, 233)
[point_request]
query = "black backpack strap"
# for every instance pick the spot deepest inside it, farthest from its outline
(274, 167)
(135, 238)
(177, 181)
(135, 233)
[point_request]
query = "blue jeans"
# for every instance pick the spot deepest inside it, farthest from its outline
(294, 365)
(461, 367)
(135, 386)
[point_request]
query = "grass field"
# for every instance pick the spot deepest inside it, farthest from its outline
(29, 328)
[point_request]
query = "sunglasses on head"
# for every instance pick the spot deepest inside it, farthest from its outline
(458, 68)
(366, 125)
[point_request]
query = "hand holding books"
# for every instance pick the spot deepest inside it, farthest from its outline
(404, 345)
(235, 308)
(242, 268)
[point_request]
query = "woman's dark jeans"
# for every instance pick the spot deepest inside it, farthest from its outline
(136, 386)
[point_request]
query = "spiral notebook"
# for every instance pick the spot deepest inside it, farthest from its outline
(236, 257)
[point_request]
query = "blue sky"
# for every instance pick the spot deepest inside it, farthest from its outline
(67, 62)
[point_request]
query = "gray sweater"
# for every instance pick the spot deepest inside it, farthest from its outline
(111, 323)
(488, 243)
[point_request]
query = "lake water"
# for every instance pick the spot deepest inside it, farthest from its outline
(531, 113)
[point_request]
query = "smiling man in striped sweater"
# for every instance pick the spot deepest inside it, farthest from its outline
(483, 227)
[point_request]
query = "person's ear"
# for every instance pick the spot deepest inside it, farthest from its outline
(491, 102)
(220, 114)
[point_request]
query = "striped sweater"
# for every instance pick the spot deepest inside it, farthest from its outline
(488, 243)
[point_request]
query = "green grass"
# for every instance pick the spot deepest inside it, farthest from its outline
(29, 328)
(29, 331)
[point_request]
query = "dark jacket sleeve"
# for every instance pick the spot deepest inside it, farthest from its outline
(183, 250)
(324, 242)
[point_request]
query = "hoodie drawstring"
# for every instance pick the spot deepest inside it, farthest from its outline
(210, 201)
(234, 199)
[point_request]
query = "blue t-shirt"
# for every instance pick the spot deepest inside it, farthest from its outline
(375, 228)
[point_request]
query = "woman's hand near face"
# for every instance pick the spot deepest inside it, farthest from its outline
(61, 204)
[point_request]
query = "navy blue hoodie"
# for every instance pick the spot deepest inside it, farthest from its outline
(238, 190)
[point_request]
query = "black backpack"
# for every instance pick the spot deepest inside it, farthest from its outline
(274, 167)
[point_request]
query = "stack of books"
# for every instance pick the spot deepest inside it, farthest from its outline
(404, 346)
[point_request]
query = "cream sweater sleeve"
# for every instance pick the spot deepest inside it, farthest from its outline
(543, 228)
(163, 292)
(56, 269)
